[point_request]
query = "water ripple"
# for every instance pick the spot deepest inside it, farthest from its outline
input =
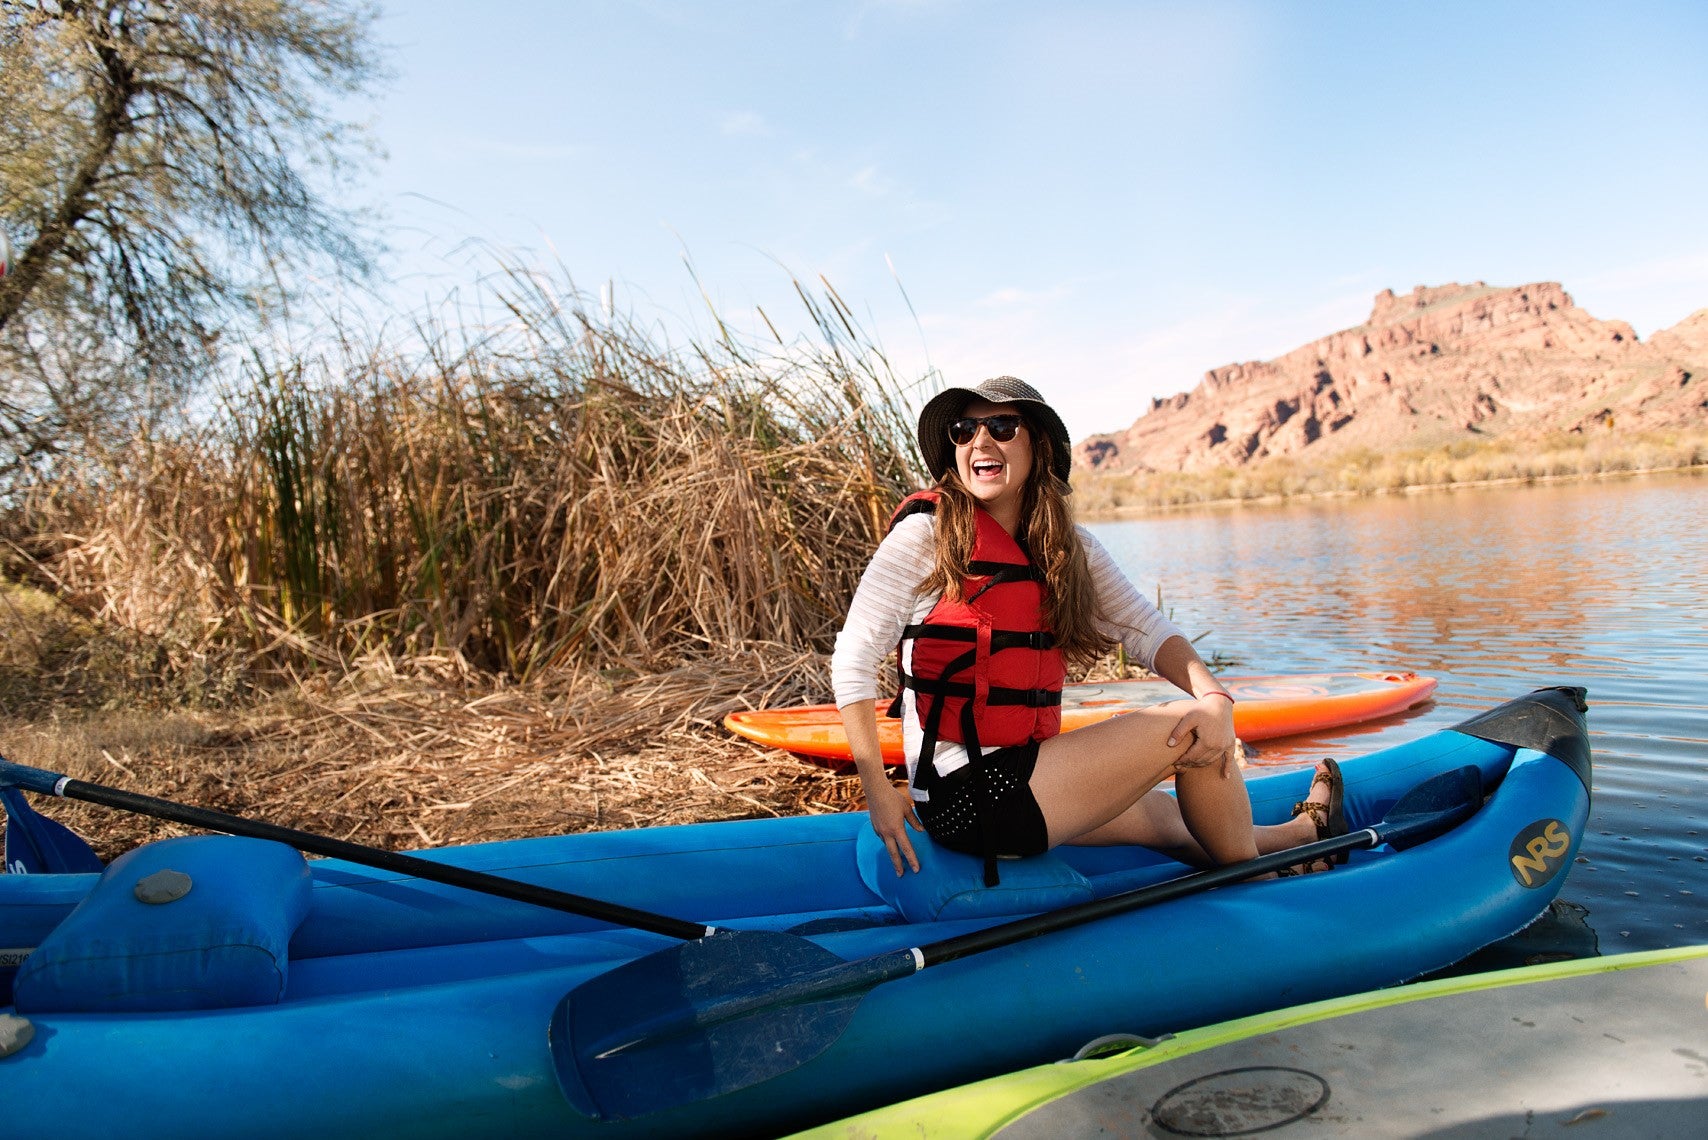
(1494, 592)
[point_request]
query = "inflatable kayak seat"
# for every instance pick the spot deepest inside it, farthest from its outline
(202, 922)
(950, 885)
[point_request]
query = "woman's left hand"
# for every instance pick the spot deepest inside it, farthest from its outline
(1209, 724)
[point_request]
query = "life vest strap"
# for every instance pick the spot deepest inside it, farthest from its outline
(963, 690)
(1001, 574)
(1005, 571)
(1031, 698)
(999, 638)
(1016, 639)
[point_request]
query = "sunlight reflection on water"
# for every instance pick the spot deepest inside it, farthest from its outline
(1494, 592)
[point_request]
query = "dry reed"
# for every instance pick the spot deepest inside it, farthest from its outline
(553, 492)
(473, 581)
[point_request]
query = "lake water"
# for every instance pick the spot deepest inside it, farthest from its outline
(1495, 592)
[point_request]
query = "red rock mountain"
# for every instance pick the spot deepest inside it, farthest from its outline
(1428, 368)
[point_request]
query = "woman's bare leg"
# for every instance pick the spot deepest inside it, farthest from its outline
(1096, 785)
(1155, 821)
(1217, 810)
(1088, 777)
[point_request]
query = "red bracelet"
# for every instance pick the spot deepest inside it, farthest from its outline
(1217, 693)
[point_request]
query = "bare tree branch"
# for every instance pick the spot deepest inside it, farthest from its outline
(158, 160)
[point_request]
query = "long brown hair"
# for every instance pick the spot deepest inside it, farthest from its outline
(1046, 533)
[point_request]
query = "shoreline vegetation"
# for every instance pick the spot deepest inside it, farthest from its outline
(1499, 462)
(468, 581)
(499, 572)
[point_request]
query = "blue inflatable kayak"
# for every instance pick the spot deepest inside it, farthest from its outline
(220, 986)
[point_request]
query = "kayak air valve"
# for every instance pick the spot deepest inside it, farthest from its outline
(15, 1033)
(162, 887)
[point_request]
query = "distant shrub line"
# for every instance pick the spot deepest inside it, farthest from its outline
(1366, 472)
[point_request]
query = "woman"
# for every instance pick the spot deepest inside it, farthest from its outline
(991, 591)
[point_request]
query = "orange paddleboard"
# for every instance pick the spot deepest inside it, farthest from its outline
(1264, 708)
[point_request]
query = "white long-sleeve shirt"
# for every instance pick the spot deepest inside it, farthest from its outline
(888, 600)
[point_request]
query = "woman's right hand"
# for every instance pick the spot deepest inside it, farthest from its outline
(892, 810)
(891, 807)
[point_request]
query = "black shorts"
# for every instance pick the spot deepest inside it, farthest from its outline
(951, 816)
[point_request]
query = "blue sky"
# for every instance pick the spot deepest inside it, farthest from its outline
(1106, 199)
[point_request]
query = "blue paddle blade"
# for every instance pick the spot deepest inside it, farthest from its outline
(36, 845)
(701, 1019)
(1437, 805)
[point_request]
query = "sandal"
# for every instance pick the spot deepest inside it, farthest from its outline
(1330, 817)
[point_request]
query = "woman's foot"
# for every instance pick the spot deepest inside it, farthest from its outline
(1322, 813)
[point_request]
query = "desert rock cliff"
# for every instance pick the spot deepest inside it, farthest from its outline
(1428, 368)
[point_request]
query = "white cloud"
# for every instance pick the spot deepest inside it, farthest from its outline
(464, 145)
(745, 123)
(893, 9)
(825, 180)
(1684, 269)
(1010, 297)
(871, 181)
(1651, 295)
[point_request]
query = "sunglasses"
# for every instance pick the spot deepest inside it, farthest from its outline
(1001, 428)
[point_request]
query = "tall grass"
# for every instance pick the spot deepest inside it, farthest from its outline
(551, 490)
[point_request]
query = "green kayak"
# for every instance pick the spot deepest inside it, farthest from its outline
(1610, 1046)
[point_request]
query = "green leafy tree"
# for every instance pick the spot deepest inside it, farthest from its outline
(168, 176)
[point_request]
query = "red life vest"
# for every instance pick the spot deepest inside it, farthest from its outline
(986, 672)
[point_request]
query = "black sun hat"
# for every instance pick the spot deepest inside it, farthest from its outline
(946, 407)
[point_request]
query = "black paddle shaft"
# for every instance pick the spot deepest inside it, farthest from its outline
(1438, 803)
(1019, 930)
(356, 853)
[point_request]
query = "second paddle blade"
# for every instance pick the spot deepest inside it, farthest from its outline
(636, 1040)
(37, 845)
(1440, 803)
